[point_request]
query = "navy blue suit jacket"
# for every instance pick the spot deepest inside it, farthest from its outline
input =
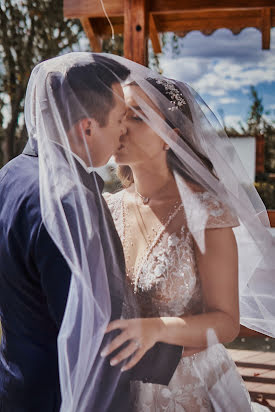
(34, 284)
(33, 300)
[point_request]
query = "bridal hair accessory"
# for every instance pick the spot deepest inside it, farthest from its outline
(176, 96)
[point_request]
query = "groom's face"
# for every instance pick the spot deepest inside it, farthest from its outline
(105, 140)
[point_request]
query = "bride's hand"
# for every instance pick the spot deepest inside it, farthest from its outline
(142, 334)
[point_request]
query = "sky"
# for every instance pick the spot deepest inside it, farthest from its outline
(222, 67)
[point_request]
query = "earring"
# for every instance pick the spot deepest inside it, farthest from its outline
(166, 147)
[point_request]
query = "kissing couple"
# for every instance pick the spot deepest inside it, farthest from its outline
(122, 302)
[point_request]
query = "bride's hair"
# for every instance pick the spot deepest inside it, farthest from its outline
(124, 172)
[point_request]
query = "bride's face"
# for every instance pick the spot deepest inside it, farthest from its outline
(141, 143)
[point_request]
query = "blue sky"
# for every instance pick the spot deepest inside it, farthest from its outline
(221, 68)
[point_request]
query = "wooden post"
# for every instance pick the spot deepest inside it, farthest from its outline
(271, 215)
(154, 34)
(260, 143)
(95, 42)
(136, 31)
(266, 27)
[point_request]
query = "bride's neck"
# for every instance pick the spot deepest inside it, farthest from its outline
(151, 180)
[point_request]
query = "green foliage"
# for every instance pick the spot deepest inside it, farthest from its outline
(31, 31)
(257, 125)
(270, 149)
(267, 192)
(255, 121)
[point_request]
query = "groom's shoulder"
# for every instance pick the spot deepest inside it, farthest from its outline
(19, 181)
(20, 173)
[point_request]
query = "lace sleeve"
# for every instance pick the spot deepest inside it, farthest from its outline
(114, 202)
(219, 215)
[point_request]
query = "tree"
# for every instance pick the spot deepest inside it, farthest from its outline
(255, 121)
(31, 31)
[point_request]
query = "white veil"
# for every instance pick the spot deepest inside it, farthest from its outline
(202, 137)
(62, 91)
(52, 106)
(202, 156)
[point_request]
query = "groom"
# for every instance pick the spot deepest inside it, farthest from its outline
(32, 297)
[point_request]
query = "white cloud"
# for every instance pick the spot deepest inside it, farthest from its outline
(228, 100)
(218, 92)
(222, 62)
(231, 76)
(233, 121)
(185, 69)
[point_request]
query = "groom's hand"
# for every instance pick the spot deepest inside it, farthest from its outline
(141, 335)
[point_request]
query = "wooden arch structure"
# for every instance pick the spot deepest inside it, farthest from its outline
(140, 19)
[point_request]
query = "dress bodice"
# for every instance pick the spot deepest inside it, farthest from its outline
(166, 280)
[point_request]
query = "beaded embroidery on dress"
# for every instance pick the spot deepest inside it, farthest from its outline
(166, 283)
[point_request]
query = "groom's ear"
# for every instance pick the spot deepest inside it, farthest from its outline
(85, 127)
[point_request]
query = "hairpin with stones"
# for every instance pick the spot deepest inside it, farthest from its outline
(176, 97)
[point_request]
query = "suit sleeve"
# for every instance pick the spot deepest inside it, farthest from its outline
(55, 274)
(55, 271)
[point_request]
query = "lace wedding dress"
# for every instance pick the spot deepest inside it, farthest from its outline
(165, 282)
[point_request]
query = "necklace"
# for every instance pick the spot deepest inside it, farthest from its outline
(134, 267)
(145, 200)
(143, 229)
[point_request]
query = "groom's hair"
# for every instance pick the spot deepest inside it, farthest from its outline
(86, 90)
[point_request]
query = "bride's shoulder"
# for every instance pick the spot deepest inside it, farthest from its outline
(113, 198)
(219, 213)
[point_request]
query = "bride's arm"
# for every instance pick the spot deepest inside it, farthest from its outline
(218, 270)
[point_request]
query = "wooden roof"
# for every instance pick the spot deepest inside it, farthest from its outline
(138, 19)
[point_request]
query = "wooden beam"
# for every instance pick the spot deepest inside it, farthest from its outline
(154, 36)
(93, 8)
(136, 31)
(164, 20)
(175, 5)
(266, 27)
(207, 20)
(102, 27)
(95, 41)
(184, 22)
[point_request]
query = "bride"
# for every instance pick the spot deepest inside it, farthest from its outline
(179, 234)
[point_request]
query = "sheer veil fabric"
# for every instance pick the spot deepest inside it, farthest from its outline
(58, 96)
(229, 183)
(52, 104)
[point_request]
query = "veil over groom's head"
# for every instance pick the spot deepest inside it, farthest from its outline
(78, 101)
(74, 112)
